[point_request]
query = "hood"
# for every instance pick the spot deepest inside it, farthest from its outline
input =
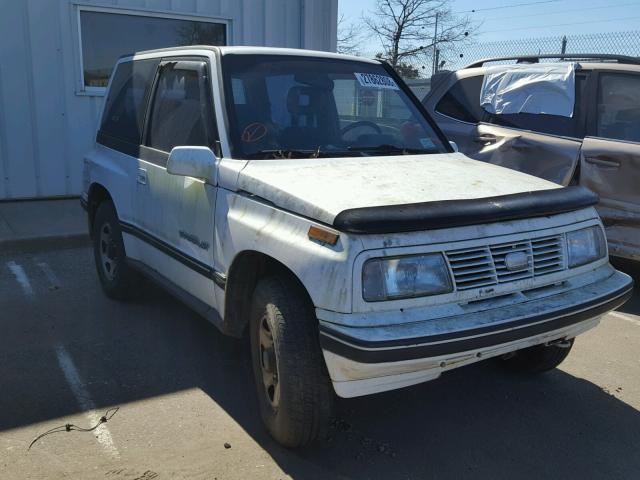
(322, 188)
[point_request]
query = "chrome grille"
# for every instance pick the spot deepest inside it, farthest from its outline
(485, 266)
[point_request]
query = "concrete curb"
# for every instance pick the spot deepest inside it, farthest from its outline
(44, 242)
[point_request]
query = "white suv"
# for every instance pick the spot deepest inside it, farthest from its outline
(307, 200)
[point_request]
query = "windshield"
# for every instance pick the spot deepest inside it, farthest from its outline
(299, 107)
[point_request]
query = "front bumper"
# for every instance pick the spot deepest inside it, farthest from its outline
(364, 360)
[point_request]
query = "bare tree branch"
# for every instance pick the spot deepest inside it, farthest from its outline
(348, 37)
(406, 28)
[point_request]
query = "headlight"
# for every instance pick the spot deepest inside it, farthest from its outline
(405, 277)
(585, 246)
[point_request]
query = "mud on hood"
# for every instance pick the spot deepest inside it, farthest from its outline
(328, 190)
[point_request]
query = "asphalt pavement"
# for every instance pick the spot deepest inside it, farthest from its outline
(183, 391)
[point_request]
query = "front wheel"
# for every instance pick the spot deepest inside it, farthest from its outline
(295, 395)
(538, 359)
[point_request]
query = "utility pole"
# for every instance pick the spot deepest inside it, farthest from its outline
(434, 66)
(564, 45)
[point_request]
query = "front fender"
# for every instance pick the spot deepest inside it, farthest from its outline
(244, 224)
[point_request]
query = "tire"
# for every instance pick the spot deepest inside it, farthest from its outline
(295, 395)
(538, 359)
(116, 277)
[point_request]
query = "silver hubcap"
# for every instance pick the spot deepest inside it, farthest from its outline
(269, 364)
(108, 251)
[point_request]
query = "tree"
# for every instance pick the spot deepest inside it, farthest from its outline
(348, 37)
(405, 70)
(406, 28)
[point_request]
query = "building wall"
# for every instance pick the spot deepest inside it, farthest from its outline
(48, 119)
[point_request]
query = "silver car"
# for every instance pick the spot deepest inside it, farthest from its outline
(597, 146)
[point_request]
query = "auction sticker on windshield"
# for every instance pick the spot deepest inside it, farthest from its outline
(376, 81)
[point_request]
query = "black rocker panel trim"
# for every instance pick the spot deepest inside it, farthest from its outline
(457, 213)
(469, 339)
(197, 266)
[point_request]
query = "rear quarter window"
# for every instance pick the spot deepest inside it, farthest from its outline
(126, 101)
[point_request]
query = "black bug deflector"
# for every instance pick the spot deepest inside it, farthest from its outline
(457, 213)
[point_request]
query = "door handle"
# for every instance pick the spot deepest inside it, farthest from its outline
(141, 178)
(487, 138)
(603, 162)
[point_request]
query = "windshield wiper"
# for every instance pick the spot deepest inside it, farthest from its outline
(279, 153)
(286, 154)
(391, 149)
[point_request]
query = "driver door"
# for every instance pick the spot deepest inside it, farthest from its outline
(177, 212)
(546, 146)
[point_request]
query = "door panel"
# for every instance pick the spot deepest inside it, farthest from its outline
(179, 211)
(612, 169)
(513, 140)
(546, 156)
(547, 146)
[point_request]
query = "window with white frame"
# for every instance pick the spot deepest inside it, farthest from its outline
(105, 36)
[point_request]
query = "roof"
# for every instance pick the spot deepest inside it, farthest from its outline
(249, 50)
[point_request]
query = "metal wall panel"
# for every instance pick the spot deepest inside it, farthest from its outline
(48, 121)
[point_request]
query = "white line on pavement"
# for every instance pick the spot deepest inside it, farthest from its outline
(84, 399)
(48, 272)
(21, 277)
(628, 318)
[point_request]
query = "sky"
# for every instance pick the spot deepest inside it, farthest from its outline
(510, 19)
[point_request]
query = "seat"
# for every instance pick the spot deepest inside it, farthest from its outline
(313, 122)
(181, 123)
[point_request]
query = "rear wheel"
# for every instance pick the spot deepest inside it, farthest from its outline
(295, 395)
(538, 359)
(116, 278)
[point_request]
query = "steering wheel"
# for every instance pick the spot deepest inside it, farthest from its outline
(361, 123)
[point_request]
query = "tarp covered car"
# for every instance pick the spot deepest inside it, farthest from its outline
(575, 121)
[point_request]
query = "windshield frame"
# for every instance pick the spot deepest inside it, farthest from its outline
(233, 135)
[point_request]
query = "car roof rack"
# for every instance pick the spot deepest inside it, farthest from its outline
(625, 59)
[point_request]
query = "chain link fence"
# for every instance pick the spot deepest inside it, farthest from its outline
(619, 43)
(458, 56)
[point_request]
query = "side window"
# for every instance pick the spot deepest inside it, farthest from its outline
(550, 124)
(462, 101)
(127, 100)
(619, 107)
(182, 112)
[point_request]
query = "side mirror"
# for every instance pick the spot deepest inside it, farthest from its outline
(454, 145)
(197, 162)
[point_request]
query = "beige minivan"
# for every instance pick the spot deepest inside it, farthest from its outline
(520, 123)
